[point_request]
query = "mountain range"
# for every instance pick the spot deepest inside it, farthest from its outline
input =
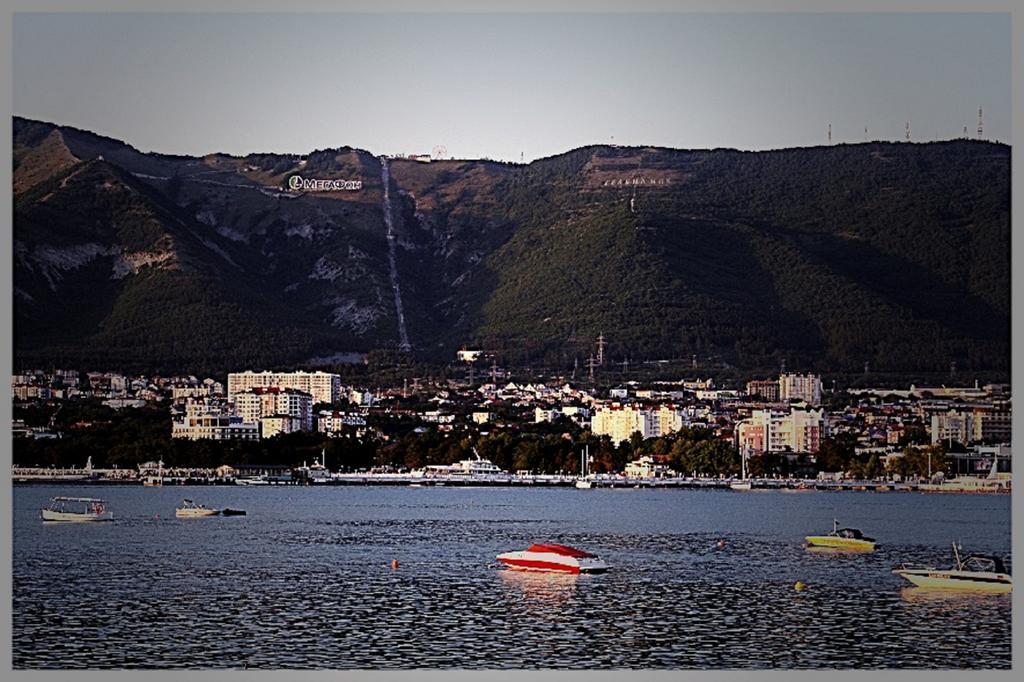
(892, 254)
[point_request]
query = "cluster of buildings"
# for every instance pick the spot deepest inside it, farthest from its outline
(781, 415)
(114, 389)
(257, 405)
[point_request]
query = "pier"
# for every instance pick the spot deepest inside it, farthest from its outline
(510, 481)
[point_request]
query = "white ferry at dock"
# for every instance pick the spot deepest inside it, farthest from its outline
(474, 469)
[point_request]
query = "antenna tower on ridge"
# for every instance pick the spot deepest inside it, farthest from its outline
(908, 131)
(600, 349)
(830, 133)
(979, 123)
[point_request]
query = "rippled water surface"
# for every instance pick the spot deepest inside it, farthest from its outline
(305, 580)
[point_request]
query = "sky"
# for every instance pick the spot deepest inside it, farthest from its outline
(511, 86)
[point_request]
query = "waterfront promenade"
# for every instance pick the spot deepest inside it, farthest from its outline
(203, 477)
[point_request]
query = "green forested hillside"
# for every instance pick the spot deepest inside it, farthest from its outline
(891, 254)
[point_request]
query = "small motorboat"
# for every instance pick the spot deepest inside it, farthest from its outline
(553, 558)
(978, 572)
(191, 510)
(842, 538)
(77, 510)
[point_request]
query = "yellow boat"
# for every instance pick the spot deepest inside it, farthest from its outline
(842, 538)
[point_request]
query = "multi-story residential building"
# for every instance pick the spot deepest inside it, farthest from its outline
(972, 426)
(768, 389)
(32, 392)
(257, 403)
(333, 422)
(202, 420)
(993, 426)
(771, 431)
(669, 419)
(323, 386)
(279, 423)
(805, 387)
(541, 415)
(620, 422)
(359, 397)
(185, 392)
(576, 413)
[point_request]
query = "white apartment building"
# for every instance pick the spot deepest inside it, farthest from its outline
(771, 431)
(323, 386)
(215, 424)
(185, 392)
(257, 403)
(573, 412)
(805, 387)
(335, 422)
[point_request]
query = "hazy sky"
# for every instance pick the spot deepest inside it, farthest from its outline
(487, 85)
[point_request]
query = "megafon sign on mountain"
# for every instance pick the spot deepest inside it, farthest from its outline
(299, 184)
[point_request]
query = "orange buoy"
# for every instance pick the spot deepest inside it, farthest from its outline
(394, 563)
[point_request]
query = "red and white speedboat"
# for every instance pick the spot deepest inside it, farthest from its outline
(556, 558)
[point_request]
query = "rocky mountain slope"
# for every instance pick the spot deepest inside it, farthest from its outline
(828, 257)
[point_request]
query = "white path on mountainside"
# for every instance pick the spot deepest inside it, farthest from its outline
(403, 335)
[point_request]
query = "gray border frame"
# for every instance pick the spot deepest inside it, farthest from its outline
(1009, 7)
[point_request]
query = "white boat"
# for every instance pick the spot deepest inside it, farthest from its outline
(317, 472)
(553, 558)
(255, 480)
(77, 510)
(467, 468)
(191, 510)
(585, 481)
(977, 572)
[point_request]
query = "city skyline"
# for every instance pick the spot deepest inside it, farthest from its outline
(404, 83)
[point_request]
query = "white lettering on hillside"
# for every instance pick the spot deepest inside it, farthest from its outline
(300, 184)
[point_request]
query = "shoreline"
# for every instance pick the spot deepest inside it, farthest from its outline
(795, 486)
